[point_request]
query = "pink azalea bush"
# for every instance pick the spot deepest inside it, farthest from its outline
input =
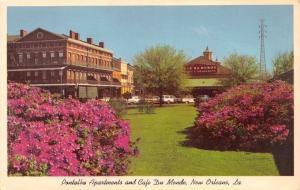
(246, 117)
(56, 137)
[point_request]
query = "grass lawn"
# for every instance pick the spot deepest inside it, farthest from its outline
(161, 152)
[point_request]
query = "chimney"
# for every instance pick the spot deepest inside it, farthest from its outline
(77, 36)
(72, 34)
(207, 54)
(89, 40)
(101, 44)
(23, 33)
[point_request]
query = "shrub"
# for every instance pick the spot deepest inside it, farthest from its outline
(248, 117)
(59, 137)
(146, 107)
(118, 105)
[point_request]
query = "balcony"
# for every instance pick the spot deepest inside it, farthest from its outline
(36, 63)
(94, 82)
(91, 65)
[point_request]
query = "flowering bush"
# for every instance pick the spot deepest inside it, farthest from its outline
(48, 136)
(248, 117)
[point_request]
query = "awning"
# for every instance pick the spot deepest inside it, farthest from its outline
(77, 84)
(209, 82)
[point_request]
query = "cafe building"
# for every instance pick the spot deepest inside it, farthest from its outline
(205, 75)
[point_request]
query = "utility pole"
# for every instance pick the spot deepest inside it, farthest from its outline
(262, 59)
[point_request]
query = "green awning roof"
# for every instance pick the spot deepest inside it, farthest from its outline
(203, 82)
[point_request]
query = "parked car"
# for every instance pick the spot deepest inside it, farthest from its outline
(169, 99)
(188, 99)
(134, 100)
(105, 99)
(201, 98)
(152, 99)
(204, 97)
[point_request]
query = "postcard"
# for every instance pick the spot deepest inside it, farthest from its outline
(139, 95)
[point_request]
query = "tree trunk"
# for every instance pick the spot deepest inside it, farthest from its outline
(160, 98)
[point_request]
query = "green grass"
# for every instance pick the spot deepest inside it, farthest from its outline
(161, 152)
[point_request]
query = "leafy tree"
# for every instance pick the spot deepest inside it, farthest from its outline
(243, 69)
(283, 62)
(160, 70)
(127, 95)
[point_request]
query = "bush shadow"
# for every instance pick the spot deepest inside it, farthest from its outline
(283, 155)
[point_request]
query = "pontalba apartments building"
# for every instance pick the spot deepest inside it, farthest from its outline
(64, 64)
(205, 74)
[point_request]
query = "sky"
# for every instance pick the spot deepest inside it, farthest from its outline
(128, 30)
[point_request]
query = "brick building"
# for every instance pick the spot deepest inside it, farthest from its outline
(63, 64)
(205, 74)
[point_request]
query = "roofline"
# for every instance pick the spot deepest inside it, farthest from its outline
(69, 39)
(58, 35)
(88, 45)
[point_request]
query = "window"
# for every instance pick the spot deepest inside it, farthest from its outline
(44, 74)
(36, 58)
(60, 54)
(28, 55)
(36, 73)
(11, 57)
(20, 58)
(60, 73)
(52, 73)
(44, 54)
(52, 55)
(28, 74)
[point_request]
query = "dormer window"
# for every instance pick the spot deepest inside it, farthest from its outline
(39, 35)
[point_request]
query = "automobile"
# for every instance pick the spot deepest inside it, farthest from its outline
(105, 99)
(188, 99)
(152, 99)
(204, 97)
(201, 98)
(169, 99)
(134, 100)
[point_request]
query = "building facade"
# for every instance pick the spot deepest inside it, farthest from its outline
(205, 75)
(63, 64)
(130, 84)
(126, 77)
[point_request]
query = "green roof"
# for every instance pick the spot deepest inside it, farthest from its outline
(203, 82)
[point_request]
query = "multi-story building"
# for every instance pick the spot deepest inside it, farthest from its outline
(63, 64)
(205, 75)
(117, 76)
(130, 71)
(127, 77)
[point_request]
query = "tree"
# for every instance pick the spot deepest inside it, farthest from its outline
(160, 70)
(127, 95)
(283, 62)
(243, 69)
